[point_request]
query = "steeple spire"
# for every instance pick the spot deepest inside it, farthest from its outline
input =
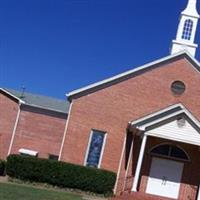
(191, 9)
(187, 30)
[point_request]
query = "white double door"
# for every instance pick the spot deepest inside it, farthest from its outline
(165, 177)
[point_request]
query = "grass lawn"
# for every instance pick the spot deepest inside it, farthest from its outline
(9, 191)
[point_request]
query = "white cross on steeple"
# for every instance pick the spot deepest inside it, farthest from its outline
(187, 30)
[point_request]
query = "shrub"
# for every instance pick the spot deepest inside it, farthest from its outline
(60, 174)
(2, 167)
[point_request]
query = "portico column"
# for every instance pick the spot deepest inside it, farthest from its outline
(139, 163)
(198, 198)
(128, 163)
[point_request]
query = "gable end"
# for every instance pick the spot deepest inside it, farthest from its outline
(132, 73)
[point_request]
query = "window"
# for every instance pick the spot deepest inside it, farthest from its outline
(95, 148)
(53, 157)
(187, 30)
(169, 151)
(178, 87)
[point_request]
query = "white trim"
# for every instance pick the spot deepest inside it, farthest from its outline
(28, 152)
(198, 197)
(183, 110)
(88, 147)
(185, 42)
(14, 130)
(102, 148)
(189, 114)
(120, 164)
(139, 163)
(10, 94)
(133, 71)
(157, 113)
(143, 127)
(65, 131)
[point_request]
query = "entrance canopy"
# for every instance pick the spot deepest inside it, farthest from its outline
(173, 123)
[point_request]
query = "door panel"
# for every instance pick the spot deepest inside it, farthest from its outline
(164, 178)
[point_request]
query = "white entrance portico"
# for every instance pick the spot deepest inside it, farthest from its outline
(174, 123)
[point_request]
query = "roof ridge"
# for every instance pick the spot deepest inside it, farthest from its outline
(40, 101)
(122, 76)
(31, 93)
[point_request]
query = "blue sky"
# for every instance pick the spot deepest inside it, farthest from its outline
(55, 46)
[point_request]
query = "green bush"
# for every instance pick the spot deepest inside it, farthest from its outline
(60, 174)
(2, 167)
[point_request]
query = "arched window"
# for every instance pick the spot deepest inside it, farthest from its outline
(169, 151)
(187, 30)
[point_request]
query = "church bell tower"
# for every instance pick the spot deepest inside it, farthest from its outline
(187, 30)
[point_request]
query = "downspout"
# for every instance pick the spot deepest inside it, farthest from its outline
(65, 132)
(128, 165)
(120, 164)
(15, 128)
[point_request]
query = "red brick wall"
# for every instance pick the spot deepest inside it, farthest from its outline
(8, 114)
(40, 131)
(126, 175)
(37, 129)
(111, 108)
(191, 171)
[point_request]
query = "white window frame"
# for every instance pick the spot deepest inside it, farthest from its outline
(102, 149)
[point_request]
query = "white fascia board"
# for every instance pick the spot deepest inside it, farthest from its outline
(189, 15)
(185, 43)
(197, 63)
(28, 152)
(183, 111)
(10, 94)
(194, 119)
(157, 113)
(132, 72)
(143, 127)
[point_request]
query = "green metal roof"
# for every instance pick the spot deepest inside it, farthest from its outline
(41, 101)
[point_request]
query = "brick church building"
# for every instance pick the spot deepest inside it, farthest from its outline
(143, 124)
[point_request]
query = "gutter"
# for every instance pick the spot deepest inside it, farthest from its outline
(13, 96)
(45, 108)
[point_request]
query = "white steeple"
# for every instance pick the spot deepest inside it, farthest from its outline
(187, 30)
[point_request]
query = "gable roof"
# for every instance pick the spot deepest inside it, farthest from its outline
(39, 101)
(167, 124)
(131, 73)
(147, 122)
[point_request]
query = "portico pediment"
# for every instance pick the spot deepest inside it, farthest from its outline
(174, 123)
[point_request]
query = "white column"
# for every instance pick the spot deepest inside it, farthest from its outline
(139, 164)
(198, 198)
